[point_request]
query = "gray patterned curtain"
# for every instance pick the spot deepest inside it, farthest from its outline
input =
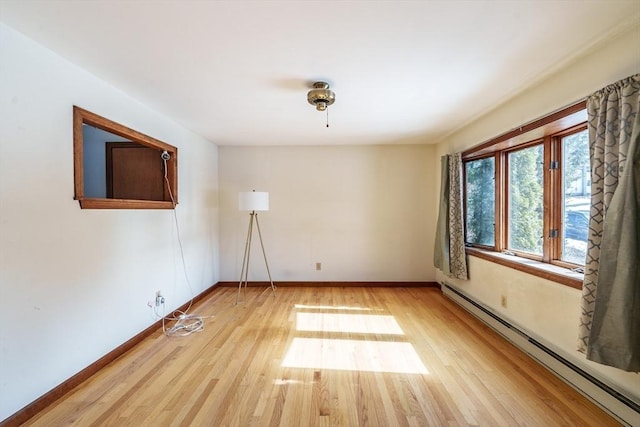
(610, 320)
(449, 255)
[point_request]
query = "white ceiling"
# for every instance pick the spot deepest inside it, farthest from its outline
(237, 72)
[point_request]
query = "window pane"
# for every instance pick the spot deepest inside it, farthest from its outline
(525, 200)
(480, 188)
(576, 186)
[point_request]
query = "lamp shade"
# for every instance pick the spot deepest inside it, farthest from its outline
(253, 201)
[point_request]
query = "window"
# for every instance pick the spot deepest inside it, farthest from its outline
(480, 201)
(527, 192)
(576, 200)
(524, 199)
(119, 168)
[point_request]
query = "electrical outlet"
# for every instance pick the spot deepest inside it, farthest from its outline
(318, 266)
(159, 298)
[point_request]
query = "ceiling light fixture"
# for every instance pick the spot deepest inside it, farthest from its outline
(321, 97)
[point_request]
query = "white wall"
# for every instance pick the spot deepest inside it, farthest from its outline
(74, 284)
(364, 212)
(546, 309)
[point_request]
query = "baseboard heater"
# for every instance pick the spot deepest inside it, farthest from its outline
(558, 358)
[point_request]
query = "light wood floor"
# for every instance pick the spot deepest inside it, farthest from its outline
(326, 357)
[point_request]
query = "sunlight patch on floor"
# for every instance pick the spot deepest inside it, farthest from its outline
(283, 381)
(330, 307)
(348, 323)
(354, 355)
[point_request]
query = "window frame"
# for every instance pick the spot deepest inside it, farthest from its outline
(81, 117)
(548, 131)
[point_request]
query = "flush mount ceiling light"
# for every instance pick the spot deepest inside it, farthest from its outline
(321, 96)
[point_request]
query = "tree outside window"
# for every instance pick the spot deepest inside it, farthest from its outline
(480, 198)
(526, 187)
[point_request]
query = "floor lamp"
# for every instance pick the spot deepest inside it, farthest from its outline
(253, 201)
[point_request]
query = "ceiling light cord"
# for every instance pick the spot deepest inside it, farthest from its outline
(327, 117)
